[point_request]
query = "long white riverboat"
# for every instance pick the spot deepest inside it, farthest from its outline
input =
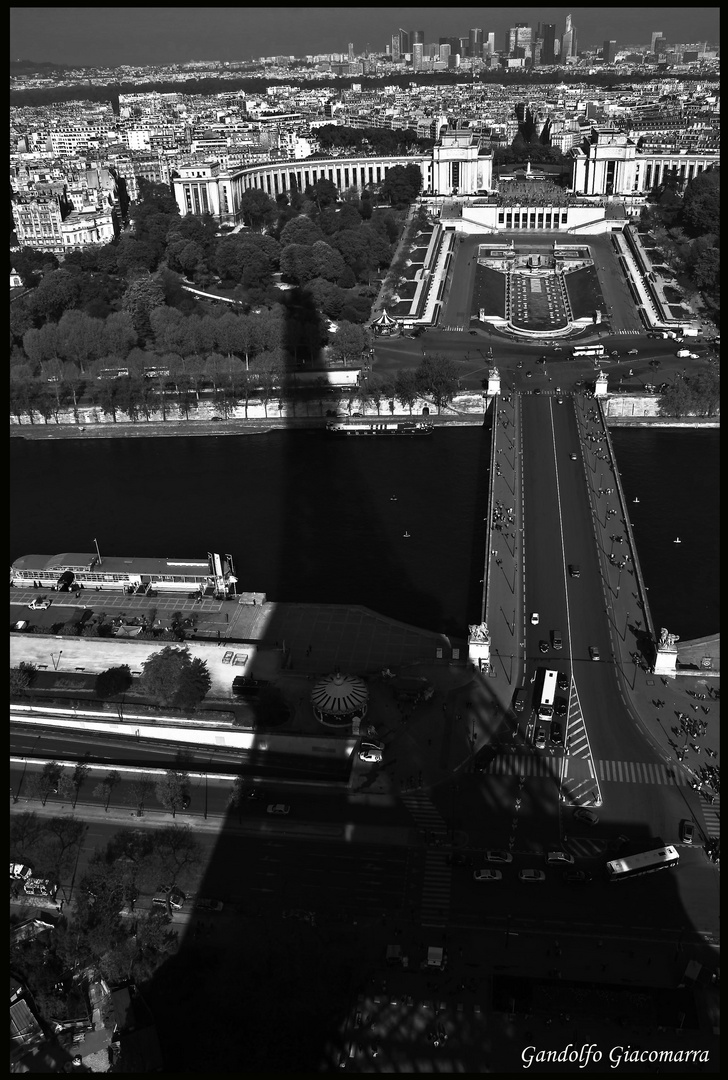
(358, 428)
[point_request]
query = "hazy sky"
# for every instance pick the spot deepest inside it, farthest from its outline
(149, 35)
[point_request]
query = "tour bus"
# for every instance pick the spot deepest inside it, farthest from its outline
(546, 705)
(647, 863)
(589, 350)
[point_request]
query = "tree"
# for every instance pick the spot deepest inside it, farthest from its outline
(176, 852)
(57, 292)
(328, 263)
(300, 230)
(119, 335)
(406, 388)
(113, 681)
(80, 773)
(140, 299)
(41, 345)
(323, 193)
(21, 678)
(171, 677)
(80, 338)
(437, 375)
(402, 185)
(140, 790)
(298, 264)
(172, 790)
(237, 794)
(104, 789)
(348, 343)
(701, 203)
(257, 208)
(45, 783)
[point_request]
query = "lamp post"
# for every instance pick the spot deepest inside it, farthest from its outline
(55, 661)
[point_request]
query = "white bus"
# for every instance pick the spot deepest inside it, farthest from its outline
(646, 863)
(589, 350)
(546, 705)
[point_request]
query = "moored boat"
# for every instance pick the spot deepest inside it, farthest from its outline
(357, 428)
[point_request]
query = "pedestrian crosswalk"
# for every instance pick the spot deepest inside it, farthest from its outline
(436, 884)
(623, 331)
(575, 768)
(435, 900)
(711, 816)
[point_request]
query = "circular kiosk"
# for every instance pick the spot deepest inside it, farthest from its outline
(338, 700)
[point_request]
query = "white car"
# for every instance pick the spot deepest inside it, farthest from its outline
(498, 856)
(487, 875)
(20, 871)
(40, 602)
(534, 619)
(278, 808)
(370, 755)
(531, 875)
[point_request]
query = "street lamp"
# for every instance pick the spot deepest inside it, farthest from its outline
(55, 661)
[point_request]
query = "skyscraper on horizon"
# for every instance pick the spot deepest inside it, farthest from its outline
(655, 35)
(568, 41)
(548, 33)
(475, 42)
(609, 51)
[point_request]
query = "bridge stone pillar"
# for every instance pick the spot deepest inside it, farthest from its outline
(479, 646)
(600, 386)
(494, 382)
(666, 655)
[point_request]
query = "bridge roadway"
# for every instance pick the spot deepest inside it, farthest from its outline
(562, 516)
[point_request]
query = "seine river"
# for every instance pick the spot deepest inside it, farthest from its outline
(308, 518)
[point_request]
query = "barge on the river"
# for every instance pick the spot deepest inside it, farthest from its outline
(356, 428)
(213, 576)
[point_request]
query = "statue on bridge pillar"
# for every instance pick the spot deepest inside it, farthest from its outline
(479, 646)
(666, 654)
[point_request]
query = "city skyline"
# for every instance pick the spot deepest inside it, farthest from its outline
(43, 34)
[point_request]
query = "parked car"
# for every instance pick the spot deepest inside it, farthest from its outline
(577, 877)
(20, 871)
(498, 856)
(531, 875)
(687, 832)
(227, 657)
(278, 808)
(594, 652)
(585, 815)
(371, 756)
(487, 875)
(39, 603)
(204, 904)
(554, 858)
(633, 352)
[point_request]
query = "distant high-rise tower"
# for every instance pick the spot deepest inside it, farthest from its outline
(490, 44)
(519, 37)
(395, 46)
(445, 51)
(548, 33)
(418, 49)
(655, 35)
(475, 41)
(351, 51)
(567, 41)
(609, 51)
(405, 45)
(417, 37)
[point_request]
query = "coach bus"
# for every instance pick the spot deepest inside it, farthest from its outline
(646, 863)
(546, 705)
(589, 350)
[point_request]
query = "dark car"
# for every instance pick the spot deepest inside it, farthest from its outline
(561, 708)
(543, 646)
(562, 681)
(557, 735)
(216, 418)
(574, 570)
(577, 877)
(473, 332)
(537, 391)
